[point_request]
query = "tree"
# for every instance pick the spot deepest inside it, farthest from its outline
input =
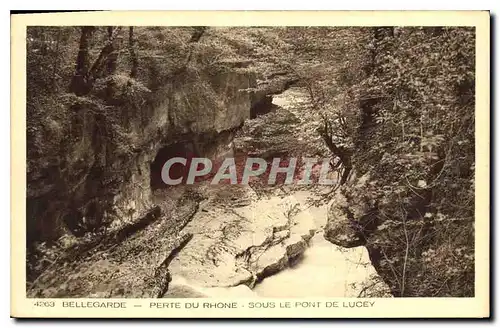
(134, 61)
(79, 84)
(105, 64)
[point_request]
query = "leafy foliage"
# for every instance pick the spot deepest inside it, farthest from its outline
(405, 111)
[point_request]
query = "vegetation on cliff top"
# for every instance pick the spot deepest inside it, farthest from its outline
(398, 110)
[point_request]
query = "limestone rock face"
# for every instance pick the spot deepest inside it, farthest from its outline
(349, 222)
(100, 172)
(217, 103)
(340, 229)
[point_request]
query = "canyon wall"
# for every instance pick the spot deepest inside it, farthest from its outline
(95, 169)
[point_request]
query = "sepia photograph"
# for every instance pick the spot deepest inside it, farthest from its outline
(250, 162)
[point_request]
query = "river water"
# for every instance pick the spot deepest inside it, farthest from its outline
(325, 270)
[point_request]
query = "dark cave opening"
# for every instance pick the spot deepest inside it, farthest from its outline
(261, 107)
(181, 149)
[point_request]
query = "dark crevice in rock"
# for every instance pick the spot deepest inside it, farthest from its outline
(132, 228)
(179, 244)
(181, 149)
(161, 278)
(262, 106)
(162, 275)
(262, 102)
(212, 145)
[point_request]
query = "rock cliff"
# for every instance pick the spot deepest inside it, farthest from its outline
(99, 173)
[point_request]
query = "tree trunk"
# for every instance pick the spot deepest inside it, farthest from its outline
(111, 60)
(56, 60)
(343, 153)
(79, 82)
(133, 55)
(368, 105)
(106, 61)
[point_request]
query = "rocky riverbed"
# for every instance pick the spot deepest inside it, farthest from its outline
(249, 244)
(268, 247)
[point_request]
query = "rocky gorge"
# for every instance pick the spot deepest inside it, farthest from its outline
(212, 240)
(389, 110)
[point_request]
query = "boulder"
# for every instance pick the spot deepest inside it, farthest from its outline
(341, 228)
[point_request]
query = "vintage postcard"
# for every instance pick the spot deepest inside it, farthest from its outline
(250, 164)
